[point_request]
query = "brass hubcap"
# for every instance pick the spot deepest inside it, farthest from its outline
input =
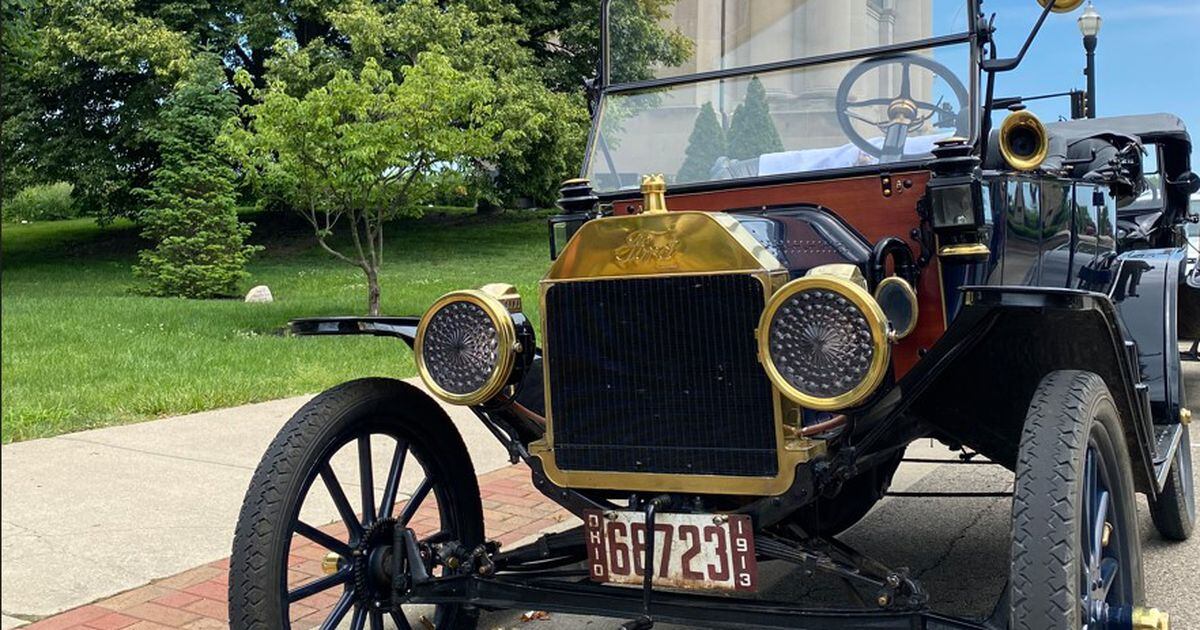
(331, 563)
(1150, 619)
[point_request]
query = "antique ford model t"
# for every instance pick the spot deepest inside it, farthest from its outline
(845, 255)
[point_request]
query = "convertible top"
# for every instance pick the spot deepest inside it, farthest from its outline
(1148, 128)
(1105, 149)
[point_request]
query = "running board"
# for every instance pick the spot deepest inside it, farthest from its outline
(1166, 441)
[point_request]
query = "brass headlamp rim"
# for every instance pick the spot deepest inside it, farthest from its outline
(880, 344)
(506, 343)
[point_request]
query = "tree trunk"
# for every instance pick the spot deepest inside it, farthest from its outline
(372, 291)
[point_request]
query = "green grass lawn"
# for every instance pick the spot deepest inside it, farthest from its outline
(81, 350)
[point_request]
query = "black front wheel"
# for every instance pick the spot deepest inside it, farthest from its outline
(315, 536)
(1076, 553)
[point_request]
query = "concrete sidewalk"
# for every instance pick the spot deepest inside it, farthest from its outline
(196, 599)
(90, 514)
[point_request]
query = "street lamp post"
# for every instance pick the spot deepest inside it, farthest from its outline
(1089, 25)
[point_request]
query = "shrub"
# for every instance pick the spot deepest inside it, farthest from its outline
(44, 202)
(752, 131)
(705, 146)
(191, 211)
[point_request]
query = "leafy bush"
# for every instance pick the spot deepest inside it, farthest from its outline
(45, 202)
(451, 187)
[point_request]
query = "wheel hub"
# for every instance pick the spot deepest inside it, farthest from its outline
(372, 561)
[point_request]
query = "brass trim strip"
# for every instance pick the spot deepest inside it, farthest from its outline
(964, 249)
(792, 453)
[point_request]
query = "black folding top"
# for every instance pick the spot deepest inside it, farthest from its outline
(1146, 127)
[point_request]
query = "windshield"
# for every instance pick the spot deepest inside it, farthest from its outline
(868, 103)
(655, 39)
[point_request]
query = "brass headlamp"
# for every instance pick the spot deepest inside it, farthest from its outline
(468, 344)
(823, 339)
(1024, 142)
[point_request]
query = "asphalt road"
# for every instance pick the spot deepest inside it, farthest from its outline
(957, 547)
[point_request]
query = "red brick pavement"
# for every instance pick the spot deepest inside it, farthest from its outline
(196, 599)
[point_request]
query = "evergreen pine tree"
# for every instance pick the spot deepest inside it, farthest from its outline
(706, 144)
(752, 132)
(191, 211)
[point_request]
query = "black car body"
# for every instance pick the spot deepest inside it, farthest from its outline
(758, 345)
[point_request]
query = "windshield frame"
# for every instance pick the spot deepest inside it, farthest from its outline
(606, 88)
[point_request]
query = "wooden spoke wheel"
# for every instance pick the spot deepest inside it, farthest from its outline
(313, 545)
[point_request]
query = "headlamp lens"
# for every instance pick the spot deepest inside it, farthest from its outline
(821, 343)
(461, 347)
(466, 347)
(824, 341)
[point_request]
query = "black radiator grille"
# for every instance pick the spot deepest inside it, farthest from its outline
(660, 375)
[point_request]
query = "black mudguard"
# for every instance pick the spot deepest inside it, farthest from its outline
(975, 385)
(399, 327)
(1149, 293)
(529, 393)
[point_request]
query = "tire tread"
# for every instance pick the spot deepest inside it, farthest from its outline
(1049, 465)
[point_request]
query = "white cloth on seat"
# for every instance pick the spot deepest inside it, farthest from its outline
(844, 156)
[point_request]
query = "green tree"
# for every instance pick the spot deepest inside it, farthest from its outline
(540, 133)
(16, 100)
(706, 144)
(360, 150)
(190, 211)
(752, 132)
(84, 79)
(90, 82)
(564, 36)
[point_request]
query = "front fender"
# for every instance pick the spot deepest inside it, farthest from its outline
(975, 385)
(399, 327)
(1151, 295)
(529, 392)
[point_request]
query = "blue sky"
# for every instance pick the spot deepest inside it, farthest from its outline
(1148, 59)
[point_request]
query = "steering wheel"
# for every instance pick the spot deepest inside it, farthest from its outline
(905, 114)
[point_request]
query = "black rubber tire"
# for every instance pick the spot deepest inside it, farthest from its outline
(1174, 512)
(281, 481)
(1069, 410)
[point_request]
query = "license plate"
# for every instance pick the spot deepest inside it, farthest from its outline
(691, 551)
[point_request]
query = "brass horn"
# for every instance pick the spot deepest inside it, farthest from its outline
(1062, 6)
(1023, 141)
